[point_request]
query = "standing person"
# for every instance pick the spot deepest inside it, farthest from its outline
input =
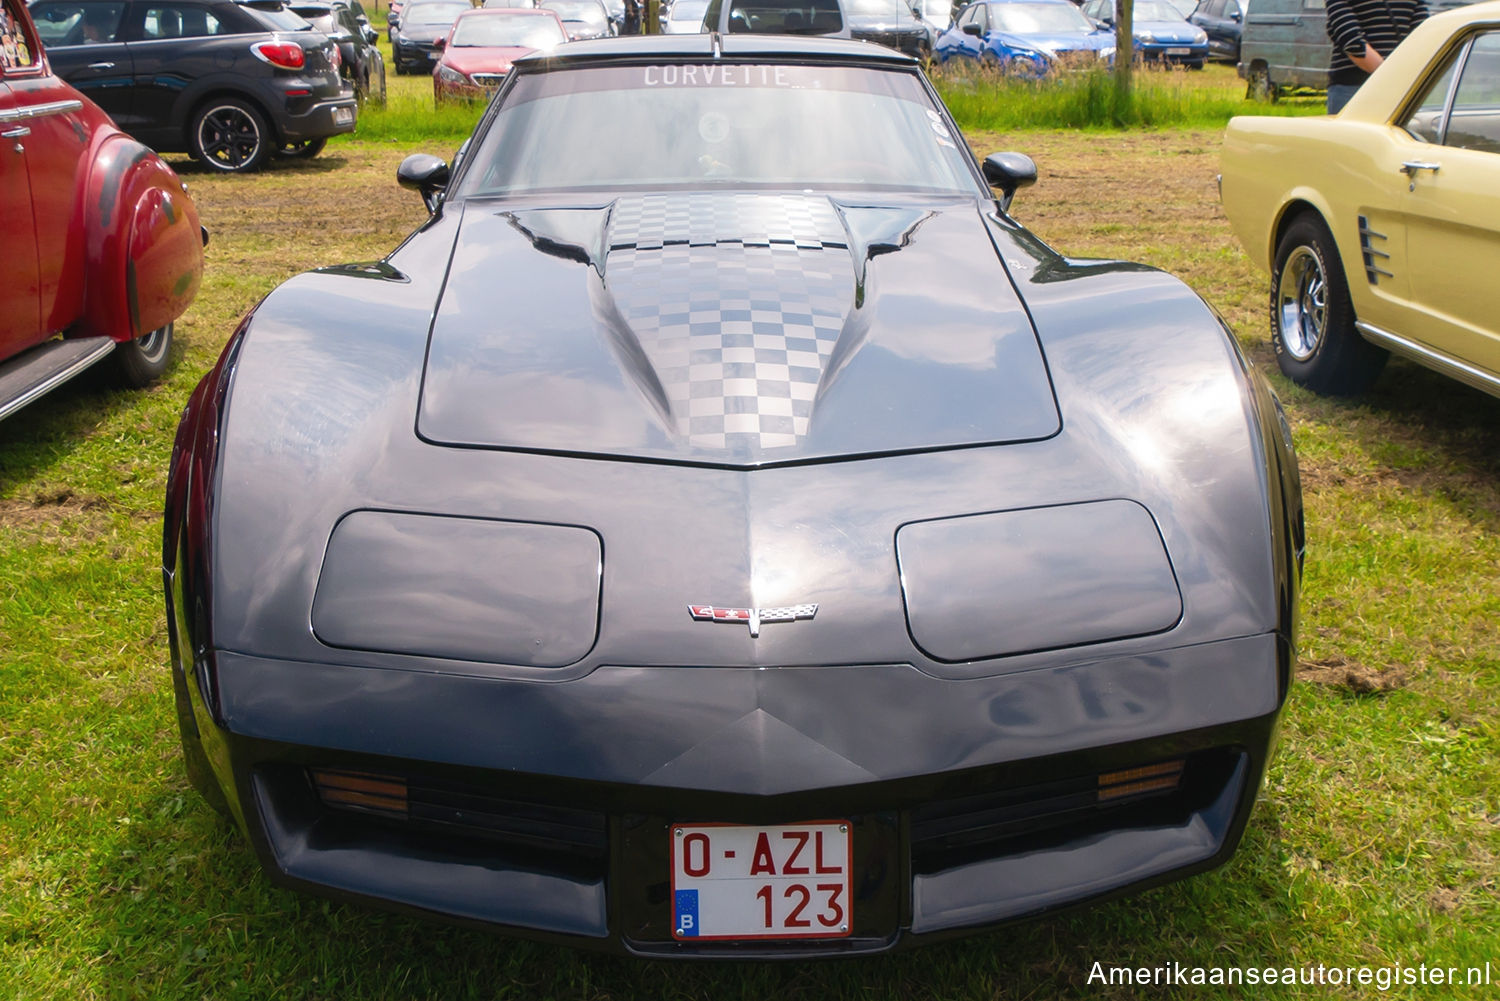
(1363, 33)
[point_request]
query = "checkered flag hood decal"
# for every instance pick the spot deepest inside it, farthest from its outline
(737, 301)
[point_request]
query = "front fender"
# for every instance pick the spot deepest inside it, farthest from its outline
(143, 253)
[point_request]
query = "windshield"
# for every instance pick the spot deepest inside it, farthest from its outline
(585, 11)
(786, 17)
(1155, 10)
(277, 18)
(1038, 18)
(878, 8)
(323, 22)
(500, 31)
(738, 125)
(688, 10)
(434, 13)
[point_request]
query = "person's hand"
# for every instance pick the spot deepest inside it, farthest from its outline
(1369, 61)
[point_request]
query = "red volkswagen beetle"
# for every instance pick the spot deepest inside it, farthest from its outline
(101, 243)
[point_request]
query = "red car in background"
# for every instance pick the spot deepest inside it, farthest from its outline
(481, 46)
(101, 242)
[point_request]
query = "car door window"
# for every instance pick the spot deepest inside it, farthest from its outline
(1466, 115)
(1474, 122)
(65, 23)
(180, 21)
(15, 51)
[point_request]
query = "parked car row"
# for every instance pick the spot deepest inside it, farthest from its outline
(231, 82)
(1030, 37)
(349, 27)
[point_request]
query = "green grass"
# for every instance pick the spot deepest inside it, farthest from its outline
(1376, 841)
(984, 98)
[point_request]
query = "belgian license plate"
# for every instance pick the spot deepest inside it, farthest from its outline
(786, 881)
(343, 116)
(1179, 52)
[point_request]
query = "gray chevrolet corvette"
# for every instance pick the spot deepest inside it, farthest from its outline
(721, 530)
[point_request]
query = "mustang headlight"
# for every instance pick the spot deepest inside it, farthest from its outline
(450, 75)
(992, 585)
(476, 589)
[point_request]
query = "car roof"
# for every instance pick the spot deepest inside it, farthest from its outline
(773, 48)
(541, 12)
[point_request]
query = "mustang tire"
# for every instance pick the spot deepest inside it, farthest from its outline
(1312, 319)
(230, 135)
(142, 361)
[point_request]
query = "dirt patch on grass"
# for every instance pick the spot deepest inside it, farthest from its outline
(1357, 678)
(49, 507)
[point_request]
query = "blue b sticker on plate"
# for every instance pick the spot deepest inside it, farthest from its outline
(687, 913)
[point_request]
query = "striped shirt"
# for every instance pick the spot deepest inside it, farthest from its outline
(1381, 24)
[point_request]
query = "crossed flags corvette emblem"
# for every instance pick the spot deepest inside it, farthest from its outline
(753, 616)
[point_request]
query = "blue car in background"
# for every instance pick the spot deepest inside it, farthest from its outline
(1159, 31)
(1024, 36)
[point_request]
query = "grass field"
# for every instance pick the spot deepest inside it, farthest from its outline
(1376, 842)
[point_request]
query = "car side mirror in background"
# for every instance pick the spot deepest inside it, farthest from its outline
(1007, 171)
(1236, 17)
(440, 43)
(429, 176)
(972, 29)
(370, 35)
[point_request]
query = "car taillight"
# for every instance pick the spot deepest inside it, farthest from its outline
(335, 57)
(287, 55)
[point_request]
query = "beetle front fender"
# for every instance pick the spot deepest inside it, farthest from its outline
(144, 250)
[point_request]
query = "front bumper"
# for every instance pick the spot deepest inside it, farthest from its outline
(1172, 52)
(543, 809)
(415, 56)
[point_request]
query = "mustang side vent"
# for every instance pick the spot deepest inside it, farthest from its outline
(364, 791)
(1161, 777)
(1373, 271)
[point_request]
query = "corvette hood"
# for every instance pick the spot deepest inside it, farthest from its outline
(731, 329)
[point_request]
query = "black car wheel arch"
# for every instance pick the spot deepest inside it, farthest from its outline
(230, 134)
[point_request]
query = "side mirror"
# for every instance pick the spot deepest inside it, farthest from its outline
(429, 176)
(1236, 17)
(370, 35)
(440, 43)
(1009, 172)
(973, 29)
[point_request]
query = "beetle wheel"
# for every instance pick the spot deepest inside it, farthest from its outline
(142, 361)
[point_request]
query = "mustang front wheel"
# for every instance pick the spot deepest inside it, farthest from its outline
(230, 135)
(1312, 319)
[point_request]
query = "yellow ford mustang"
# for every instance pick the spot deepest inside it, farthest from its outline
(1381, 225)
